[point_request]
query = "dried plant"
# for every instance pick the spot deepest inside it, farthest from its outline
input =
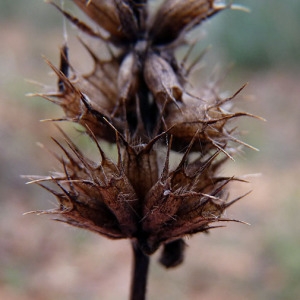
(138, 100)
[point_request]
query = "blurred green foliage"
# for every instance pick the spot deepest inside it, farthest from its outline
(267, 36)
(32, 13)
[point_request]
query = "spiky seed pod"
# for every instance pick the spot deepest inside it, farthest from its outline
(208, 121)
(128, 78)
(173, 254)
(162, 80)
(137, 100)
(127, 200)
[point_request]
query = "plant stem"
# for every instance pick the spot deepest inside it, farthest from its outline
(139, 273)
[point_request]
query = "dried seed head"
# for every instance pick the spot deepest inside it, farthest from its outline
(137, 100)
(208, 123)
(129, 201)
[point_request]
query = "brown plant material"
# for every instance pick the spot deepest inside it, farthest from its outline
(138, 100)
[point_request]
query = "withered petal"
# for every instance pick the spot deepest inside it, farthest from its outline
(104, 14)
(176, 15)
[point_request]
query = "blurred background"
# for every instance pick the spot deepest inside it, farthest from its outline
(42, 259)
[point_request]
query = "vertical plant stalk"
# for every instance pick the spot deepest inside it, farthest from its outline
(139, 276)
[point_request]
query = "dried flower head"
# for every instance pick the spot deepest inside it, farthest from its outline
(138, 100)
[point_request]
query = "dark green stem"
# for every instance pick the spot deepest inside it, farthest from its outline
(139, 273)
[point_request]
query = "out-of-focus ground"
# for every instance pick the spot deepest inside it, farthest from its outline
(42, 259)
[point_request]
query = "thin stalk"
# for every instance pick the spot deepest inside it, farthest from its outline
(139, 273)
